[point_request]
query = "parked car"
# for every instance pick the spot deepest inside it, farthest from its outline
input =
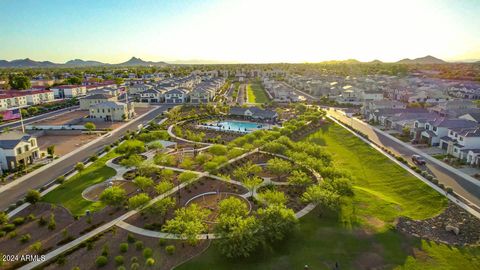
(418, 160)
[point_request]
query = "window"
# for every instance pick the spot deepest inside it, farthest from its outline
(19, 150)
(26, 148)
(461, 138)
(434, 128)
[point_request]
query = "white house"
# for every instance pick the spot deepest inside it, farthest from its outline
(17, 149)
(177, 95)
(69, 91)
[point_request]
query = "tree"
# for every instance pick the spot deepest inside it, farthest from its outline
(232, 207)
(188, 222)
(138, 200)
(90, 126)
(325, 198)
(143, 182)
(299, 178)
(238, 236)
(342, 186)
(147, 168)
(131, 147)
(187, 163)
(118, 81)
(163, 159)
(20, 82)
(157, 146)
(163, 186)
(114, 196)
(161, 207)
(132, 161)
(276, 221)
(252, 182)
(3, 218)
(33, 196)
(218, 150)
(79, 166)
(73, 80)
(273, 197)
(167, 175)
(51, 150)
(279, 167)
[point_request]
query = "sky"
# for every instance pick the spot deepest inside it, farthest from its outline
(246, 31)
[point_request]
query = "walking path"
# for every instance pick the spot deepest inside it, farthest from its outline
(170, 132)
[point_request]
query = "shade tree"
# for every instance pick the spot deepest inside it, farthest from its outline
(114, 196)
(188, 222)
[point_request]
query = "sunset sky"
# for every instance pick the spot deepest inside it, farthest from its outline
(238, 30)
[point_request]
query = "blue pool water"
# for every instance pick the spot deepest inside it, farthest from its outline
(238, 126)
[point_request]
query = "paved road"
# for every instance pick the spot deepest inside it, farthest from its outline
(459, 184)
(16, 192)
(37, 118)
(241, 94)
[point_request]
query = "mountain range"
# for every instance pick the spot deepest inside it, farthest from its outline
(29, 63)
(134, 61)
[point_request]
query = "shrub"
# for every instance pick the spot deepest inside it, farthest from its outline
(138, 245)
(2, 233)
(434, 180)
(107, 148)
(170, 249)
(61, 179)
(36, 247)
(119, 260)
(449, 190)
(12, 234)
(134, 259)
(123, 247)
(121, 267)
(147, 253)
(442, 186)
(130, 238)
(93, 158)
(25, 238)
(18, 221)
(134, 266)
(105, 250)
(9, 227)
(31, 217)
(162, 242)
(101, 261)
(41, 222)
(150, 262)
(52, 224)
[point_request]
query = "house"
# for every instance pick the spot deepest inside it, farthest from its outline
(473, 116)
(177, 95)
(90, 100)
(254, 113)
(17, 149)
(459, 141)
(111, 111)
(151, 96)
(69, 91)
(431, 131)
(138, 88)
(454, 108)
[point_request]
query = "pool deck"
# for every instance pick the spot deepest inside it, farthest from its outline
(253, 126)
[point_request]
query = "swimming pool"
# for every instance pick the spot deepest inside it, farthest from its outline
(239, 126)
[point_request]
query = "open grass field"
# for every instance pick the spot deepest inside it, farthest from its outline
(256, 93)
(69, 194)
(362, 235)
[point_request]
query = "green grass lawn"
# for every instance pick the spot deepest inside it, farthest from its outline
(362, 233)
(256, 93)
(69, 194)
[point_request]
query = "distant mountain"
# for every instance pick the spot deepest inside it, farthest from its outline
(29, 63)
(139, 62)
(422, 60)
(376, 61)
(82, 63)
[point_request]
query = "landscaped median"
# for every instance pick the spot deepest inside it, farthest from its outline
(256, 93)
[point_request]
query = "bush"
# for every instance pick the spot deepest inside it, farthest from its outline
(449, 190)
(33, 196)
(105, 251)
(121, 267)
(36, 247)
(9, 227)
(93, 158)
(25, 238)
(123, 247)
(134, 259)
(18, 221)
(31, 217)
(170, 249)
(52, 224)
(130, 238)
(435, 180)
(12, 234)
(41, 222)
(107, 148)
(119, 260)
(162, 242)
(61, 179)
(139, 245)
(442, 186)
(134, 266)
(101, 261)
(147, 253)
(150, 262)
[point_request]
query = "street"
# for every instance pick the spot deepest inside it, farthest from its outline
(33, 119)
(458, 183)
(17, 192)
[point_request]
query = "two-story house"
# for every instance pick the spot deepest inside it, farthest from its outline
(177, 95)
(17, 149)
(459, 141)
(431, 131)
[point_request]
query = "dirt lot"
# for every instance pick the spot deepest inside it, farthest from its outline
(64, 143)
(72, 117)
(85, 256)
